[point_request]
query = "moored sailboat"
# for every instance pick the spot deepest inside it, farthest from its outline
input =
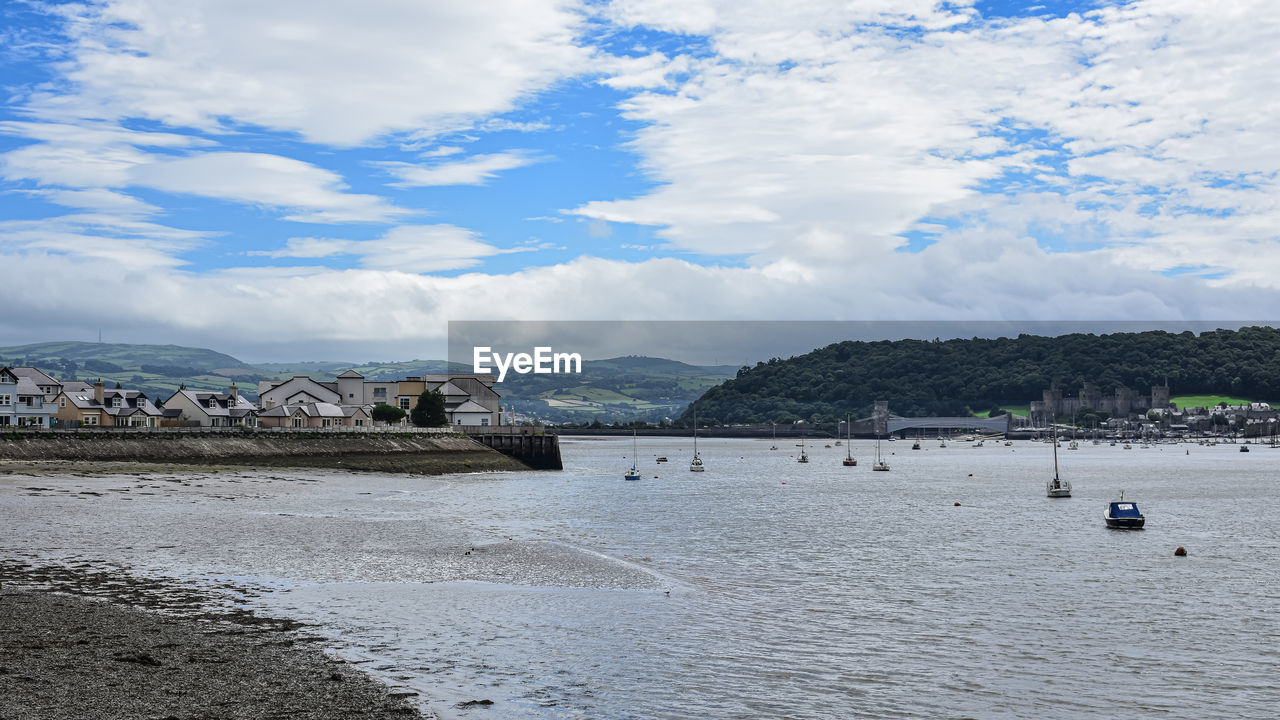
(849, 460)
(634, 472)
(881, 464)
(695, 465)
(1057, 487)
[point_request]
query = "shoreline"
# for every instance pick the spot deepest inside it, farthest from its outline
(78, 643)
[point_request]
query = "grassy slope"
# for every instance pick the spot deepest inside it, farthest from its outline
(1204, 401)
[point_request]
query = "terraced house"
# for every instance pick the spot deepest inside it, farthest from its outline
(96, 405)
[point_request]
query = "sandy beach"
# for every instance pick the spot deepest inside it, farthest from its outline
(86, 644)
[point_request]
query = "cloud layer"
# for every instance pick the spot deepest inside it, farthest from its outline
(871, 160)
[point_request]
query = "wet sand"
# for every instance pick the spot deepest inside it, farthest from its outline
(81, 644)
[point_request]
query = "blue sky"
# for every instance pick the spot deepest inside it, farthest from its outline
(296, 180)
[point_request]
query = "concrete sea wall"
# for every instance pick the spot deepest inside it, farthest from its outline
(409, 452)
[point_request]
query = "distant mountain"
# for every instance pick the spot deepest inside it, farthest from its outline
(957, 377)
(372, 371)
(157, 370)
(126, 355)
(623, 388)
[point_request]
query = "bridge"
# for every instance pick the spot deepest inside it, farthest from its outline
(986, 425)
(889, 424)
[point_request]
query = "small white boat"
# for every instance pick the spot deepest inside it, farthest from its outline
(804, 457)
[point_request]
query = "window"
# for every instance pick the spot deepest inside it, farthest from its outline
(89, 419)
(115, 401)
(326, 422)
(380, 393)
(404, 403)
(351, 395)
(62, 402)
(6, 399)
(359, 422)
(484, 421)
(213, 404)
(297, 422)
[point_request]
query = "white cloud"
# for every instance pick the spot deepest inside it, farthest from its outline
(128, 245)
(336, 73)
(475, 170)
(307, 192)
(408, 248)
(302, 312)
(811, 131)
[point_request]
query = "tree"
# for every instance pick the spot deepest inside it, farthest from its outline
(429, 412)
(387, 414)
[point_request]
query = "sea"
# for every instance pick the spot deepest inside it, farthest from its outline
(948, 587)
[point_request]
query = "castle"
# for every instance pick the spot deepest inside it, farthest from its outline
(1122, 403)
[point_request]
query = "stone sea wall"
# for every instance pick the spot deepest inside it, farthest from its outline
(427, 453)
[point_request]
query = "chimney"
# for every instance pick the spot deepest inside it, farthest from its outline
(98, 387)
(235, 393)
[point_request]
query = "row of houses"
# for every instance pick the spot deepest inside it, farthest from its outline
(31, 398)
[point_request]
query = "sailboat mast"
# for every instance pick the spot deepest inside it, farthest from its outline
(1055, 451)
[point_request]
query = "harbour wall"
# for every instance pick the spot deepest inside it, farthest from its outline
(431, 452)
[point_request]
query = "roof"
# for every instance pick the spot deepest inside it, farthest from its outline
(351, 374)
(308, 409)
(224, 405)
(471, 406)
(27, 387)
(34, 375)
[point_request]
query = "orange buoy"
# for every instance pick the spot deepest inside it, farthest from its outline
(1180, 552)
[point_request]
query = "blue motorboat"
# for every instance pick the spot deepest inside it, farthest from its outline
(1124, 515)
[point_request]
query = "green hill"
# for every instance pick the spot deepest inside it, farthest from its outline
(957, 377)
(623, 388)
(157, 370)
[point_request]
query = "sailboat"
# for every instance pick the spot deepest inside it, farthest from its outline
(849, 461)
(881, 464)
(1057, 487)
(634, 472)
(695, 465)
(804, 457)
(774, 444)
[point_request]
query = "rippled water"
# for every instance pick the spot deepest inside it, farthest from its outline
(761, 588)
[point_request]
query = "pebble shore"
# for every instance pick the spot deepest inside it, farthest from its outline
(77, 645)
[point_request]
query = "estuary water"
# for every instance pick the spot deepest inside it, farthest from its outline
(762, 588)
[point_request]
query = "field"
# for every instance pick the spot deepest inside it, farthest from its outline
(1205, 401)
(1019, 410)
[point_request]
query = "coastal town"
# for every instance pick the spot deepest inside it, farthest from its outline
(32, 399)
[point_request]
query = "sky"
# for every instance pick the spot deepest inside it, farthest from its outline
(320, 180)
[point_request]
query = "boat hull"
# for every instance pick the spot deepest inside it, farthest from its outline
(1058, 493)
(1126, 523)
(850, 463)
